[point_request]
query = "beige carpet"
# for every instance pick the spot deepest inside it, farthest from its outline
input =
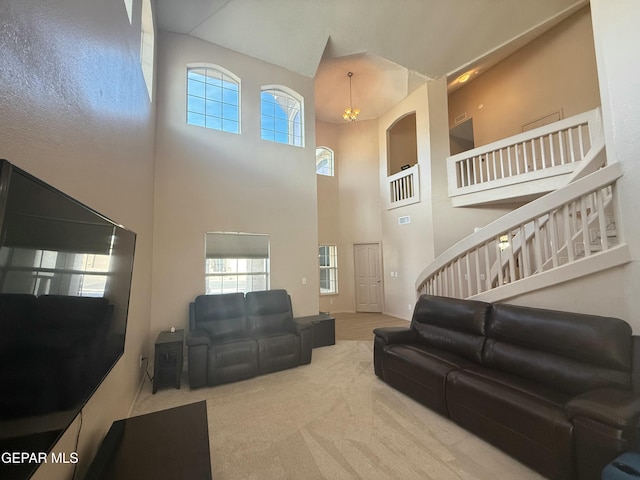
(332, 419)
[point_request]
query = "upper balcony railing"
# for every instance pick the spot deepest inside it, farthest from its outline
(542, 153)
(404, 187)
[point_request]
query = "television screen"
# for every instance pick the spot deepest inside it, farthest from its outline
(65, 277)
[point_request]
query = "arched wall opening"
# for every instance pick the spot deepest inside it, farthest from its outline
(402, 144)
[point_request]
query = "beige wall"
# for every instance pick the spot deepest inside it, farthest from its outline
(408, 248)
(584, 295)
(74, 112)
(451, 224)
(349, 203)
(556, 72)
(207, 180)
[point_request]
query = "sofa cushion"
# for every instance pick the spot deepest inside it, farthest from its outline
(564, 374)
(232, 361)
(604, 341)
(421, 372)
(221, 316)
(269, 312)
(277, 352)
(543, 393)
(572, 353)
(451, 324)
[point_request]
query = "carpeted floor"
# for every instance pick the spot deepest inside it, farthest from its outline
(332, 419)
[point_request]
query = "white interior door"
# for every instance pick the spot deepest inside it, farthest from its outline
(368, 270)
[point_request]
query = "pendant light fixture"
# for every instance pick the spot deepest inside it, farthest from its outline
(350, 114)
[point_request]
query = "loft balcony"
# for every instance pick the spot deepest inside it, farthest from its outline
(528, 165)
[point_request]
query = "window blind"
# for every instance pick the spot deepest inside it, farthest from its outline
(237, 245)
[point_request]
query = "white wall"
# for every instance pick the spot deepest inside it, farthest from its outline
(596, 294)
(616, 37)
(74, 112)
(208, 180)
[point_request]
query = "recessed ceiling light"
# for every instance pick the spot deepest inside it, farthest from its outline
(464, 77)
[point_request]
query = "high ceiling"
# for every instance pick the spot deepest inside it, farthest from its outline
(391, 46)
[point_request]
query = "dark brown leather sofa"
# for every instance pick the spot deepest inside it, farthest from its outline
(558, 391)
(235, 336)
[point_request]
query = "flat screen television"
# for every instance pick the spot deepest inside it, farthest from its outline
(65, 278)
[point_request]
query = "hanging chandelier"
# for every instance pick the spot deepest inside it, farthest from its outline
(350, 114)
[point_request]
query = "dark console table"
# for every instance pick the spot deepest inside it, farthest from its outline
(167, 365)
(324, 329)
(166, 445)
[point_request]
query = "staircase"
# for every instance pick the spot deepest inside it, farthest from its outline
(565, 234)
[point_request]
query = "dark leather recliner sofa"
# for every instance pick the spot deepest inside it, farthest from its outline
(558, 391)
(235, 336)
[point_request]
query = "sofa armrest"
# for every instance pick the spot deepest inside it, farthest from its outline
(611, 406)
(198, 337)
(390, 335)
(297, 327)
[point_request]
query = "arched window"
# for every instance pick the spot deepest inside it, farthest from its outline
(213, 98)
(324, 161)
(281, 116)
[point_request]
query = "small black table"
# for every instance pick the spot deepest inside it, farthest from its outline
(167, 366)
(166, 445)
(323, 327)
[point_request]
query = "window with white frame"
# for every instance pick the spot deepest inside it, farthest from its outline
(324, 161)
(236, 262)
(281, 116)
(328, 259)
(213, 98)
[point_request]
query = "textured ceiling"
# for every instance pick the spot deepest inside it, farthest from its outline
(387, 44)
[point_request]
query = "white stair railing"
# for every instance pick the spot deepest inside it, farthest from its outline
(595, 160)
(542, 153)
(567, 226)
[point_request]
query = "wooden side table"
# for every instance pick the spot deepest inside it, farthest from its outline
(167, 365)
